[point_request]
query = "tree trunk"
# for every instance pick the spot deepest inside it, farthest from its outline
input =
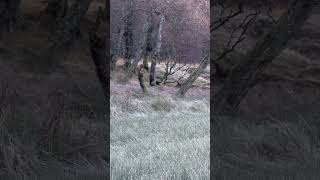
(143, 46)
(266, 49)
(148, 49)
(9, 11)
(136, 60)
(193, 77)
(118, 50)
(98, 49)
(128, 35)
(153, 72)
(145, 62)
(141, 79)
(156, 52)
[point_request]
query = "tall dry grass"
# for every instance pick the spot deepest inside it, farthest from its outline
(59, 147)
(159, 137)
(269, 149)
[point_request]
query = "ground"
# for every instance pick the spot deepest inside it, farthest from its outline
(159, 136)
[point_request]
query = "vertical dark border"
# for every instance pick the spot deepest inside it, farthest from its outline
(107, 118)
(211, 96)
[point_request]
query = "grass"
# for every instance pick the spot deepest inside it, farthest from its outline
(273, 149)
(51, 124)
(160, 137)
(58, 147)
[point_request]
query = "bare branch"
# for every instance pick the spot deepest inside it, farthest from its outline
(223, 20)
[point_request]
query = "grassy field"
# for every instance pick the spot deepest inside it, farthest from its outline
(266, 150)
(158, 136)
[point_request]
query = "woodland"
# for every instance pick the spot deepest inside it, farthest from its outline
(137, 89)
(160, 83)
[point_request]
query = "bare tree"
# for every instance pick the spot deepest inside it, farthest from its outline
(128, 33)
(143, 45)
(193, 77)
(246, 72)
(176, 15)
(156, 51)
(237, 33)
(172, 67)
(149, 48)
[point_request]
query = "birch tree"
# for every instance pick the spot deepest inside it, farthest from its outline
(156, 51)
(149, 48)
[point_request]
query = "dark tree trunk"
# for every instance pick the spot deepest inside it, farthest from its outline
(133, 66)
(153, 72)
(267, 49)
(98, 47)
(9, 12)
(193, 77)
(143, 46)
(118, 50)
(128, 35)
(141, 79)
